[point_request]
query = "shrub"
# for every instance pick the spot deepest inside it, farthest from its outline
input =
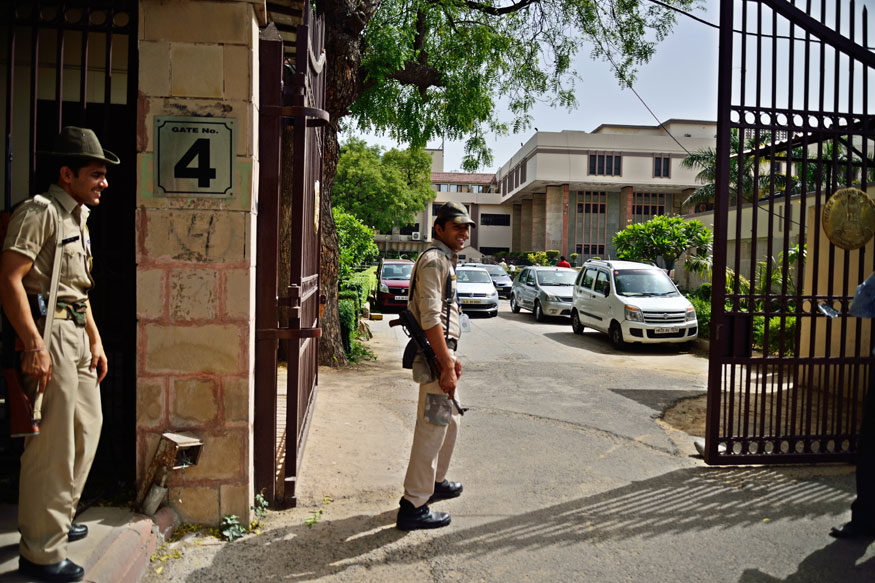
(349, 322)
(538, 258)
(774, 328)
(703, 292)
(552, 255)
(703, 314)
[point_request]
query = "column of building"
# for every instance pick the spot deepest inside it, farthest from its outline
(195, 259)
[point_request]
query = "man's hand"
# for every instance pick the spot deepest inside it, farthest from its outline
(448, 381)
(37, 364)
(98, 361)
(458, 369)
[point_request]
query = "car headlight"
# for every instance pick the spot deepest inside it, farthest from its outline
(691, 314)
(384, 288)
(633, 314)
(549, 298)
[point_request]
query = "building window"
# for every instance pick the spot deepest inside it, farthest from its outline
(493, 250)
(410, 229)
(605, 164)
(646, 205)
(494, 220)
(662, 167)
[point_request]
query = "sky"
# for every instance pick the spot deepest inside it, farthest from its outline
(680, 82)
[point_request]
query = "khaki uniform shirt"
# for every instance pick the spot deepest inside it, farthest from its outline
(32, 232)
(428, 300)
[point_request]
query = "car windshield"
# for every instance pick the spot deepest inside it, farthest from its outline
(643, 282)
(495, 269)
(556, 277)
(397, 271)
(472, 276)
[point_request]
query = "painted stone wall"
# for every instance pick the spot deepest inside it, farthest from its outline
(195, 256)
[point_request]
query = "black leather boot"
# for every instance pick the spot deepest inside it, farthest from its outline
(445, 490)
(61, 572)
(410, 518)
(77, 532)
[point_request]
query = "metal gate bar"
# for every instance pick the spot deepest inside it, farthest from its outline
(280, 436)
(796, 397)
(30, 124)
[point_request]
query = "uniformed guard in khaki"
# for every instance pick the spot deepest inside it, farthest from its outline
(68, 361)
(437, 421)
(434, 305)
(61, 455)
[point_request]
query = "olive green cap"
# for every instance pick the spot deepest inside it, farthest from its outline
(454, 212)
(75, 142)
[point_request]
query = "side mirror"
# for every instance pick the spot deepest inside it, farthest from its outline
(607, 290)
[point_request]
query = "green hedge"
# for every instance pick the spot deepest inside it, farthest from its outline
(349, 322)
(352, 296)
(703, 315)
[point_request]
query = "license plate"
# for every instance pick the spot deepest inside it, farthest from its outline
(672, 330)
(470, 301)
(400, 298)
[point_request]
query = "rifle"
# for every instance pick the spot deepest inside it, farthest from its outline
(419, 343)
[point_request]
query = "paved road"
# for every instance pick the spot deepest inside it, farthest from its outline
(568, 476)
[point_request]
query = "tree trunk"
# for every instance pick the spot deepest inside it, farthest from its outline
(331, 351)
(344, 22)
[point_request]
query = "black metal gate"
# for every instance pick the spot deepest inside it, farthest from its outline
(75, 63)
(282, 413)
(785, 381)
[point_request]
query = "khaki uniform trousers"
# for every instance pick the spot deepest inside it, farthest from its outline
(56, 462)
(432, 447)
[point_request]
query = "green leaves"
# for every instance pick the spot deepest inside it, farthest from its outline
(436, 68)
(382, 190)
(666, 237)
(356, 243)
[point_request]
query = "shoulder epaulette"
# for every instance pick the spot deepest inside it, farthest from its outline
(41, 200)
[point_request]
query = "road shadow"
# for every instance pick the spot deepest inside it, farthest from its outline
(599, 343)
(702, 501)
(657, 399)
(836, 561)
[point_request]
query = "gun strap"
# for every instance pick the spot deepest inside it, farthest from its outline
(447, 285)
(53, 302)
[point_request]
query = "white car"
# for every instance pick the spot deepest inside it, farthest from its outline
(476, 290)
(631, 302)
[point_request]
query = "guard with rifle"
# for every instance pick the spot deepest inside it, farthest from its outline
(45, 276)
(434, 311)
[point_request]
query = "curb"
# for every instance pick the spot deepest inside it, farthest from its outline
(124, 554)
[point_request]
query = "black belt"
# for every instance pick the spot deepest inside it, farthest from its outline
(452, 343)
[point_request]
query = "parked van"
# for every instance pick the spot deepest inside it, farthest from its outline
(631, 302)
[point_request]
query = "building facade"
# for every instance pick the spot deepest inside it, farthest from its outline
(571, 191)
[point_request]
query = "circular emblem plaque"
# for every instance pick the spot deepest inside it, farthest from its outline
(849, 218)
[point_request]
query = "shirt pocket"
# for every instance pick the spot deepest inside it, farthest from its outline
(74, 270)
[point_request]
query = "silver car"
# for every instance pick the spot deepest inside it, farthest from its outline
(500, 278)
(546, 291)
(476, 291)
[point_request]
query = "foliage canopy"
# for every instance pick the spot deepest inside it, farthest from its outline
(382, 190)
(666, 237)
(356, 243)
(436, 68)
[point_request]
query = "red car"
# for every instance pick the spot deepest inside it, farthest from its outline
(394, 276)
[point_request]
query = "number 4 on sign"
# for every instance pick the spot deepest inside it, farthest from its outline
(200, 149)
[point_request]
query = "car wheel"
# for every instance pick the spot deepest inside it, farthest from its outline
(616, 335)
(539, 313)
(575, 322)
(514, 307)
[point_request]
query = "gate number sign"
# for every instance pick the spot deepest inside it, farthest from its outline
(195, 156)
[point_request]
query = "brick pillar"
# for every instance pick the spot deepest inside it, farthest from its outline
(539, 222)
(515, 222)
(554, 220)
(626, 202)
(526, 226)
(195, 260)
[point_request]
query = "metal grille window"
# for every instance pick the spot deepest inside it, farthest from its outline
(646, 205)
(590, 227)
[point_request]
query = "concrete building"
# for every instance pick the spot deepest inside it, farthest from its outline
(571, 191)
(479, 195)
